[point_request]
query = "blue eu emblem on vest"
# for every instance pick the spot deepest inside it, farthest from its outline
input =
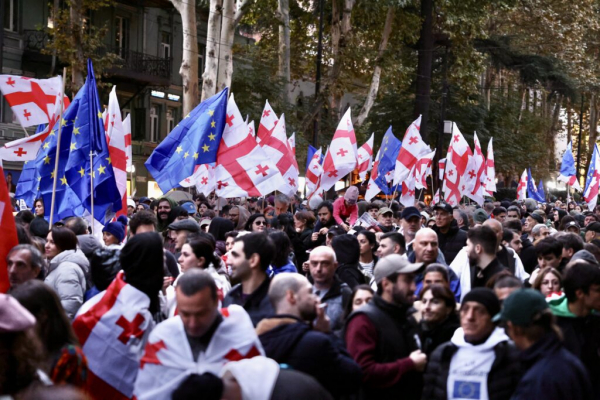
(466, 390)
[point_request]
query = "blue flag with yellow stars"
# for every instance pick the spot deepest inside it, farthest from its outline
(194, 141)
(28, 186)
(390, 147)
(86, 136)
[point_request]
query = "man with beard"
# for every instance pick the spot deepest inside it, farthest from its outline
(163, 213)
(288, 337)
(380, 335)
(324, 222)
(481, 250)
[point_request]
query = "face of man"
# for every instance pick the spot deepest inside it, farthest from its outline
(324, 215)
(501, 217)
(179, 238)
(411, 226)
(307, 302)
(163, 210)
(472, 252)
(373, 212)
(198, 312)
(322, 267)
(386, 219)
(443, 218)
(457, 217)
(403, 291)
(240, 266)
(592, 299)
(516, 243)
(588, 219)
(549, 260)
(280, 208)
(529, 224)
(589, 236)
(426, 247)
(433, 278)
(130, 211)
(512, 215)
(19, 267)
(234, 215)
(476, 321)
(387, 247)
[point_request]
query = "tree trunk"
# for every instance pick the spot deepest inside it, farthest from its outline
(231, 19)
(524, 93)
(55, 10)
(374, 88)
(211, 67)
(569, 121)
(425, 61)
(189, 61)
(78, 64)
(283, 14)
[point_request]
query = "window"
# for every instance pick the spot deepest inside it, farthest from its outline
(121, 36)
(170, 120)
(153, 124)
(165, 43)
(10, 15)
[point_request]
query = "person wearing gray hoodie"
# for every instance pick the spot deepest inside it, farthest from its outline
(68, 269)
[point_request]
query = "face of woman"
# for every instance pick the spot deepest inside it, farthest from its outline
(578, 208)
(361, 298)
(139, 208)
(259, 225)
(550, 283)
(51, 249)
(109, 238)
(39, 209)
(188, 259)
(434, 310)
(229, 243)
(299, 224)
(364, 245)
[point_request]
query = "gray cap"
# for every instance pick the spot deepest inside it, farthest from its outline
(393, 264)
(585, 256)
(185, 225)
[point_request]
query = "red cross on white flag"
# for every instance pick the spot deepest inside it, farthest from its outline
(522, 188)
(413, 148)
(341, 158)
(457, 164)
(476, 174)
(203, 178)
(365, 158)
(268, 120)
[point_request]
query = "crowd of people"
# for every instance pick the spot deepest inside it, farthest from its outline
(269, 299)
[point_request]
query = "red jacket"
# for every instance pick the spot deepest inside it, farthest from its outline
(341, 211)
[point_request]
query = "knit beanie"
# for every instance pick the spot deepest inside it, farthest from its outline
(116, 229)
(485, 297)
(351, 195)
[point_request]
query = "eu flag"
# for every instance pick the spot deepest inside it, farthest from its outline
(28, 186)
(532, 191)
(194, 141)
(85, 138)
(388, 152)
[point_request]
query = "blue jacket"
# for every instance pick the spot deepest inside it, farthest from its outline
(553, 373)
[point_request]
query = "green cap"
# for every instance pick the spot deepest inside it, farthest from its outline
(521, 306)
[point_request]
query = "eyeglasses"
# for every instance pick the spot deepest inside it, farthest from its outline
(260, 222)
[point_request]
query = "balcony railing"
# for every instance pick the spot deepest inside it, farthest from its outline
(143, 63)
(35, 40)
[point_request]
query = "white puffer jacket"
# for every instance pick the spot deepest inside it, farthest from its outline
(67, 276)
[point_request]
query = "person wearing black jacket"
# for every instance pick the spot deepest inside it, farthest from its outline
(288, 337)
(451, 238)
(324, 222)
(439, 319)
(347, 253)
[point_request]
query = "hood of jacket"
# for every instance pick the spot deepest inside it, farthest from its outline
(74, 256)
(243, 218)
(347, 250)
(498, 335)
(560, 307)
(280, 334)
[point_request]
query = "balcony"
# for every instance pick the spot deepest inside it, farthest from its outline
(35, 40)
(142, 67)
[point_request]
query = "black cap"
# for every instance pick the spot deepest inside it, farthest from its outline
(443, 206)
(594, 226)
(409, 212)
(185, 225)
(486, 297)
(539, 219)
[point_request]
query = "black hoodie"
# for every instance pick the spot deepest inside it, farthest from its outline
(452, 241)
(347, 253)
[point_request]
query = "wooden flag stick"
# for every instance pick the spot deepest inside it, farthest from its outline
(62, 99)
(25, 130)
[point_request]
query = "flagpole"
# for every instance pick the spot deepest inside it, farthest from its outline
(92, 186)
(25, 130)
(62, 99)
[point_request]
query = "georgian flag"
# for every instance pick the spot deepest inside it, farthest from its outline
(372, 187)
(292, 143)
(365, 157)
(9, 232)
(490, 171)
(408, 190)
(592, 182)
(522, 187)
(168, 359)
(341, 158)
(251, 130)
(112, 328)
(423, 170)
(476, 173)
(277, 148)
(268, 120)
(243, 168)
(458, 161)
(117, 146)
(436, 198)
(313, 173)
(203, 179)
(442, 168)
(413, 148)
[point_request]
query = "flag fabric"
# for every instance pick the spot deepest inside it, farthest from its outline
(592, 182)
(522, 187)
(112, 328)
(387, 162)
(442, 168)
(540, 190)
(341, 158)
(372, 187)
(423, 170)
(28, 187)
(117, 147)
(128, 149)
(32, 101)
(243, 168)
(365, 158)
(457, 163)
(194, 141)
(407, 198)
(568, 174)
(436, 197)
(168, 358)
(9, 232)
(203, 179)
(85, 135)
(413, 148)
(292, 143)
(277, 149)
(313, 172)
(476, 173)
(268, 120)
(251, 130)
(490, 170)
(310, 152)
(532, 190)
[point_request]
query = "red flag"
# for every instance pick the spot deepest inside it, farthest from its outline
(268, 120)
(8, 232)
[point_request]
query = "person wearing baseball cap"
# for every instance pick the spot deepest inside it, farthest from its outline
(551, 371)
(410, 223)
(479, 360)
(451, 238)
(380, 334)
(385, 219)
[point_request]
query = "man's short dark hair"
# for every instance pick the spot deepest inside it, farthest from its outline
(485, 237)
(326, 204)
(508, 235)
(547, 246)
(195, 280)
(580, 275)
(78, 225)
(142, 217)
(514, 208)
(371, 206)
(258, 243)
(513, 224)
(498, 210)
(570, 241)
(35, 256)
(395, 237)
(508, 281)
